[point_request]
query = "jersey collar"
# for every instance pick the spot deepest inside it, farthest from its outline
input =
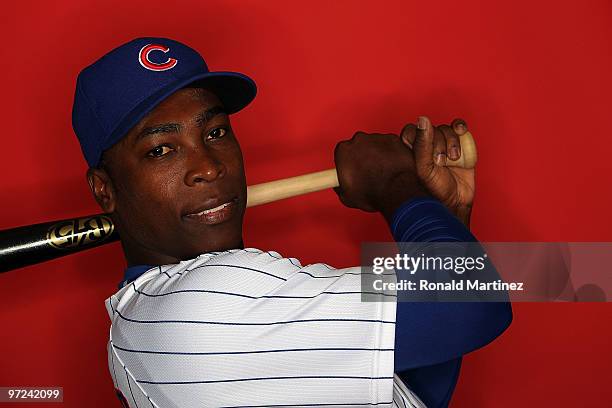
(132, 273)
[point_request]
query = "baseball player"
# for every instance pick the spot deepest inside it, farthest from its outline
(200, 320)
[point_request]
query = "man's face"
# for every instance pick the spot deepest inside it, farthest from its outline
(176, 182)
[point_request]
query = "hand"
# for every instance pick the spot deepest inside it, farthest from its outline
(376, 172)
(453, 186)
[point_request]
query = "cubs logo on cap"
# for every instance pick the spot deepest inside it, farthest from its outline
(143, 58)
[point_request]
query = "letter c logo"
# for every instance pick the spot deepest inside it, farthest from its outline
(143, 58)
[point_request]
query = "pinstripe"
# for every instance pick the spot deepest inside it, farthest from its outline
(344, 273)
(112, 358)
(128, 381)
(250, 323)
(164, 272)
(310, 405)
(110, 302)
(300, 377)
(231, 266)
(403, 401)
(216, 353)
(217, 292)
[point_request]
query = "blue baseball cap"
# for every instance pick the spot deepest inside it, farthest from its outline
(115, 92)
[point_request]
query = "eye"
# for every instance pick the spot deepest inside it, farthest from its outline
(159, 151)
(216, 133)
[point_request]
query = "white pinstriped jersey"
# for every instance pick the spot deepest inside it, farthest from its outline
(246, 328)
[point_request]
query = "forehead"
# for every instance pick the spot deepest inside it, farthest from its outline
(180, 103)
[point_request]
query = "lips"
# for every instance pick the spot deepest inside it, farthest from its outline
(212, 212)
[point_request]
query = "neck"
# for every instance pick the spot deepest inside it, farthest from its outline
(140, 256)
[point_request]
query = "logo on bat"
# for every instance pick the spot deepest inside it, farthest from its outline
(80, 232)
(143, 58)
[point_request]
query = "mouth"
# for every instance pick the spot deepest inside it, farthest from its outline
(213, 212)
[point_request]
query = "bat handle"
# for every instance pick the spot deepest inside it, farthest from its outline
(290, 187)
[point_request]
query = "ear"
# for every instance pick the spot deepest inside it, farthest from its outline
(101, 187)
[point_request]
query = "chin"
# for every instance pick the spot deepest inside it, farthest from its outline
(216, 245)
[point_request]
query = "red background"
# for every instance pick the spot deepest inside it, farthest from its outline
(531, 78)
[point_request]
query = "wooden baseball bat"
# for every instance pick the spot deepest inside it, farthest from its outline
(36, 243)
(290, 187)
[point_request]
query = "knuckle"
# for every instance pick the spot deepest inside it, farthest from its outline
(409, 127)
(339, 149)
(357, 136)
(439, 137)
(452, 139)
(448, 132)
(389, 137)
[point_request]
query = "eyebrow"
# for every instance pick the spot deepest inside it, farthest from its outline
(209, 114)
(200, 120)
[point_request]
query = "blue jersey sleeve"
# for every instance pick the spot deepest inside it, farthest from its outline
(431, 337)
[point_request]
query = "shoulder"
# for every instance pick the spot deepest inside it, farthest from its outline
(248, 272)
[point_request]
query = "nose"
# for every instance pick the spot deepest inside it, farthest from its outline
(203, 167)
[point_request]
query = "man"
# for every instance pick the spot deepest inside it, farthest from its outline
(199, 320)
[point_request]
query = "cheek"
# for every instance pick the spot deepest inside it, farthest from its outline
(149, 194)
(234, 161)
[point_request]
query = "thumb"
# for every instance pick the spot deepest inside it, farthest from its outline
(424, 148)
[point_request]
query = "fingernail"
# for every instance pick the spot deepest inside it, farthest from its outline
(454, 153)
(440, 159)
(422, 123)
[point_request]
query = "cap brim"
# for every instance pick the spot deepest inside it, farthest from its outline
(234, 90)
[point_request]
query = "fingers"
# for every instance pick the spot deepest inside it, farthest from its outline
(439, 150)
(453, 147)
(339, 159)
(424, 147)
(443, 144)
(408, 134)
(459, 126)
